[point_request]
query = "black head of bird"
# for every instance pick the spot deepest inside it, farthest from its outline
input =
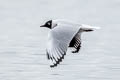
(48, 24)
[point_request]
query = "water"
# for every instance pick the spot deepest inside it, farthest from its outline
(23, 42)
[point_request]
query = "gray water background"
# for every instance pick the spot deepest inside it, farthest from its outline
(23, 42)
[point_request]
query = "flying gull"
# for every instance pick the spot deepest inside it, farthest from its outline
(63, 34)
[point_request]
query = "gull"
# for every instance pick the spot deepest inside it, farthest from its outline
(63, 34)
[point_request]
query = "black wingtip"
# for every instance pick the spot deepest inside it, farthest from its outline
(58, 62)
(52, 66)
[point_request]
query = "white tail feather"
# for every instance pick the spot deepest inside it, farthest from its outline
(84, 27)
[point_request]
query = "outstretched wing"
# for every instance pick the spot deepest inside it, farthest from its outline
(58, 41)
(76, 43)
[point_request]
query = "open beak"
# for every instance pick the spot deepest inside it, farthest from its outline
(42, 26)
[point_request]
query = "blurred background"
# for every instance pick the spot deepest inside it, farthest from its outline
(23, 42)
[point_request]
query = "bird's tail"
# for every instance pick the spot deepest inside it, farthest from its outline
(88, 28)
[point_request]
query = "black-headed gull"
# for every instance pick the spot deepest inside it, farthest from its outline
(63, 34)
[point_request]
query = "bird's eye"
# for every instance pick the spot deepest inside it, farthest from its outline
(48, 23)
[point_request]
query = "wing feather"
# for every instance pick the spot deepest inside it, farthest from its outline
(58, 41)
(76, 42)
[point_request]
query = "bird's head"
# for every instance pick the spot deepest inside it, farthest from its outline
(49, 24)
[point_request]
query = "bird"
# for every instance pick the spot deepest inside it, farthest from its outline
(63, 34)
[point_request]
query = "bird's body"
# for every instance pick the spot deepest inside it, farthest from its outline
(63, 34)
